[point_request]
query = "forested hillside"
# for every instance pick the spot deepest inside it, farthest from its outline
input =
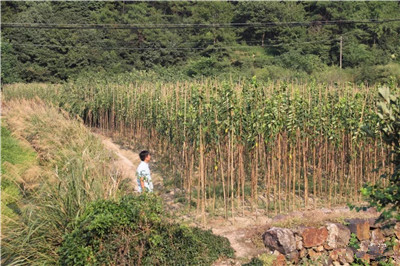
(55, 41)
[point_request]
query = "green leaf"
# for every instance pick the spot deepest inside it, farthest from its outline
(385, 93)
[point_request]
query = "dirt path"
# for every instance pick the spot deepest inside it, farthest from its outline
(127, 162)
(240, 232)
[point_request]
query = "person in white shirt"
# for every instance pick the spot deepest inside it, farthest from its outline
(143, 173)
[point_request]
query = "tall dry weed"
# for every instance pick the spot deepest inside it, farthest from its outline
(75, 170)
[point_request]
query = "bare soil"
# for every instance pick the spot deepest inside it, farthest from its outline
(127, 161)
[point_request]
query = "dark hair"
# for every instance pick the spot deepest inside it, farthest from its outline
(143, 155)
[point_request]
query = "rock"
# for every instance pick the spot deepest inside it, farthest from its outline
(337, 253)
(326, 261)
(373, 224)
(314, 255)
(279, 261)
(376, 250)
(396, 249)
(349, 256)
(388, 231)
(338, 236)
(314, 237)
(364, 245)
(363, 256)
(343, 255)
(280, 239)
(299, 242)
(388, 253)
(303, 253)
(276, 253)
(397, 230)
(396, 261)
(319, 248)
(360, 228)
(293, 257)
(377, 238)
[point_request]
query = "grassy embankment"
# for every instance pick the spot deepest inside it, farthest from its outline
(73, 170)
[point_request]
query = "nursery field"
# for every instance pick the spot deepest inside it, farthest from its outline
(243, 145)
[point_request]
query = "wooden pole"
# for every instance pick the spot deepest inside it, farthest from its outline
(341, 52)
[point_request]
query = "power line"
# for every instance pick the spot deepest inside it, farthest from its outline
(184, 26)
(110, 41)
(169, 48)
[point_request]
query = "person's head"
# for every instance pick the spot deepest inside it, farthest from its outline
(145, 156)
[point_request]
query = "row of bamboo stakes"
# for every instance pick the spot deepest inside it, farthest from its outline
(289, 169)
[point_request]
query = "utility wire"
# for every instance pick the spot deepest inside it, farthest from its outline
(170, 48)
(110, 41)
(184, 26)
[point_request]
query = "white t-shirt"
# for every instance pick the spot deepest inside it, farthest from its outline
(143, 171)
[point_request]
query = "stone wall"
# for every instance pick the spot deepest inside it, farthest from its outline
(336, 244)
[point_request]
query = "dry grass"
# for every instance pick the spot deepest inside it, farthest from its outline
(58, 139)
(320, 217)
(75, 168)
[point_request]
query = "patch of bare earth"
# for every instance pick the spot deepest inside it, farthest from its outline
(126, 162)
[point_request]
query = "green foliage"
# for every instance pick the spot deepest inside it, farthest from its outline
(359, 262)
(321, 260)
(13, 156)
(390, 243)
(388, 262)
(297, 61)
(384, 74)
(387, 198)
(354, 242)
(12, 151)
(206, 66)
(134, 231)
(262, 260)
(254, 262)
(55, 55)
(9, 66)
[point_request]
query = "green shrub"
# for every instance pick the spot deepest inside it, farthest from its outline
(354, 243)
(273, 72)
(295, 60)
(334, 75)
(262, 260)
(356, 54)
(206, 66)
(386, 198)
(378, 74)
(133, 231)
(254, 262)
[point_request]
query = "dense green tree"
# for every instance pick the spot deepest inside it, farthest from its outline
(9, 65)
(59, 54)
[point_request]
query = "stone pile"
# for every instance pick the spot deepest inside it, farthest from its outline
(334, 244)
